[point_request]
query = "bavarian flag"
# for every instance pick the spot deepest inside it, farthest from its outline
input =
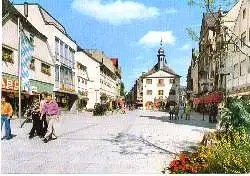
(26, 57)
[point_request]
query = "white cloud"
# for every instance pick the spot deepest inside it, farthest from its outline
(153, 38)
(171, 11)
(115, 12)
(185, 47)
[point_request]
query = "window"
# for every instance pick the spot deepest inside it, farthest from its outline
(7, 55)
(86, 82)
(161, 81)
(249, 35)
(243, 68)
(172, 92)
(248, 64)
(57, 48)
(160, 92)
(66, 52)
(149, 81)
(236, 46)
(149, 92)
(243, 39)
(31, 39)
(32, 64)
(236, 68)
(83, 81)
(79, 80)
(172, 81)
(45, 69)
(244, 14)
(61, 48)
(57, 73)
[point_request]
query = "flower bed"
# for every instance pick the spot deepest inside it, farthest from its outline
(224, 156)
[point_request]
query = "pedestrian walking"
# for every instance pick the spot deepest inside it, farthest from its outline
(176, 113)
(188, 111)
(37, 122)
(171, 112)
(181, 110)
(51, 109)
(44, 121)
(6, 113)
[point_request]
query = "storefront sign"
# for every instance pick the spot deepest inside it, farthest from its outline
(67, 88)
(9, 84)
(12, 85)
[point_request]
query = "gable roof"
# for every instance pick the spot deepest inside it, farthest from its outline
(156, 69)
(10, 12)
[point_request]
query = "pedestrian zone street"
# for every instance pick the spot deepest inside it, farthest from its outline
(138, 142)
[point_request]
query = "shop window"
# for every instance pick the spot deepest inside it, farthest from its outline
(7, 55)
(45, 69)
(160, 92)
(149, 81)
(243, 39)
(32, 64)
(149, 92)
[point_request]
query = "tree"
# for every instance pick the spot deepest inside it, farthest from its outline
(122, 93)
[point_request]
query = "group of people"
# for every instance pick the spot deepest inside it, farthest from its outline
(177, 112)
(44, 116)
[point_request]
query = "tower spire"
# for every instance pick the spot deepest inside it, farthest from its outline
(161, 41)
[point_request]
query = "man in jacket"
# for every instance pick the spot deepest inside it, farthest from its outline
(51, 110)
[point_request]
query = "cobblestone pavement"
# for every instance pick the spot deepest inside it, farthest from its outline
(137, 142)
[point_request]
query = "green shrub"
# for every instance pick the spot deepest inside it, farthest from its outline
(229, 157)
(100, 109)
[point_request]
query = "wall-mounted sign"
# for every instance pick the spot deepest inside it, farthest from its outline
(9, 84)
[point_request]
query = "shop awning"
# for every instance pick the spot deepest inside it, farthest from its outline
(215, 97)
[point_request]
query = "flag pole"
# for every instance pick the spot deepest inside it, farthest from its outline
(19, 72)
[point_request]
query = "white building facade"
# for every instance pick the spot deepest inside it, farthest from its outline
(87, 79)
(42, 64)
(160, 84)
(238, 57)
(63, 49)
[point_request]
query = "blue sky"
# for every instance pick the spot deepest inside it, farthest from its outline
(130, 30)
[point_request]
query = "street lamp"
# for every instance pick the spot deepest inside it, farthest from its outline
(203, 105)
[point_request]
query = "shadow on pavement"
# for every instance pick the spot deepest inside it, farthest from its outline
(131, 145)
(192, 122)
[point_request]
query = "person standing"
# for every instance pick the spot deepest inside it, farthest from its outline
(188, 111)
(37, 123)
(51, 110)
(171, 112)
(43, 117)
(6, 113)
(181, 110)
